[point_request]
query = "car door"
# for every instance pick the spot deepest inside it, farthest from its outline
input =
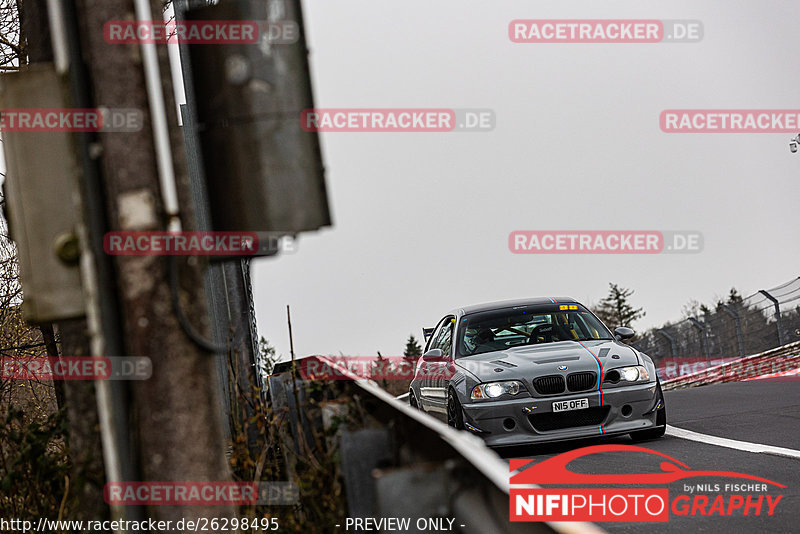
(425, 382)
(434, 391)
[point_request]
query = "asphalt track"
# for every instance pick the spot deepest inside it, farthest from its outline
(760, 411)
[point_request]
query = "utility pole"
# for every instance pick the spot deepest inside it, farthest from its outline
(172, 418)
(83, 437)
(168, 427)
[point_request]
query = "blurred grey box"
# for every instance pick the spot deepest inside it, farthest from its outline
(41, 181)
(264, 173)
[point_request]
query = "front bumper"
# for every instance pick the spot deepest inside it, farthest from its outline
(617, 410)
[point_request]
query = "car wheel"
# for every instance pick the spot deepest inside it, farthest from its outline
(412, 400)
(661, 421)
(455, 414)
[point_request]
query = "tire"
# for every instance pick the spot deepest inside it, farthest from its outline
(455, 414)
(661, 421)
(412, 400)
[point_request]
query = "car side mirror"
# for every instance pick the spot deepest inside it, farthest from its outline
(433, 354)
(623, 332)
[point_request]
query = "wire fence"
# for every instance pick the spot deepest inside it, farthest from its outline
(733, 328)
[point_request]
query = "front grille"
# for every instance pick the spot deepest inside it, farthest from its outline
(581, 381)
(557, 420)
(549, 385)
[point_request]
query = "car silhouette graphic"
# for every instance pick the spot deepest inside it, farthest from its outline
(554, 470)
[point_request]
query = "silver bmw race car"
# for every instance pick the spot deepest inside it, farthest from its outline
(537, 370)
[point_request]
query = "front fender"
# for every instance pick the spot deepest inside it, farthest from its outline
(463, 382)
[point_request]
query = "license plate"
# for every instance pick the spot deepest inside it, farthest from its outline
(565, 406)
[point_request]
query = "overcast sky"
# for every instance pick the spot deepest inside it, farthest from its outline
(421, 220)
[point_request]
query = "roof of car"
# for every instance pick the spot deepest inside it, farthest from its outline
(517, 302)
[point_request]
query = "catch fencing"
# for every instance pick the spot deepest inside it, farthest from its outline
(732, 329)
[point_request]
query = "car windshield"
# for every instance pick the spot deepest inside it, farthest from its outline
(509, 327)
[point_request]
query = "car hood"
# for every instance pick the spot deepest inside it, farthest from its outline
(530, 361)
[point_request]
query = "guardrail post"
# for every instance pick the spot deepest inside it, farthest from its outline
(738, 322)
(703, 335)
(671, 340)
(781, 337)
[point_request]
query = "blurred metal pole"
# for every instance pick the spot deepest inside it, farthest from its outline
(228, 288)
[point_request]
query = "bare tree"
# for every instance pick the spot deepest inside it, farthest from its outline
(11, 50)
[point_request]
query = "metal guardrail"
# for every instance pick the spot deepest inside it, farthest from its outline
(442, 471)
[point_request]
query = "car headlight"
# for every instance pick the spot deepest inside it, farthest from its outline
(492, 390)
(634, 373)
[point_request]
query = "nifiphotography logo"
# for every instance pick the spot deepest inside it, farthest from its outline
(736, 494)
